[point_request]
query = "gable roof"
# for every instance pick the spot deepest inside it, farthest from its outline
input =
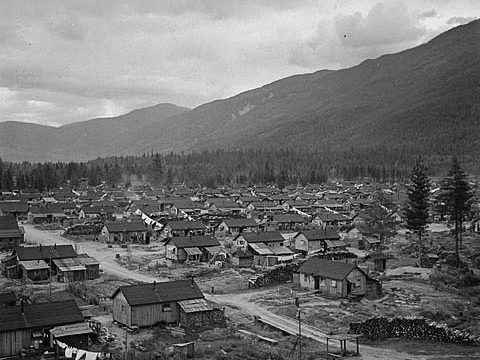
(117, 226)
(40, 315)
(240, 222)
(8, 223)
(321, 234)
(186, 225)
(43, 252)
(288, 218)
(193, 241)
(160, 292)
(328, 269)
(262, 237)
(14, 206)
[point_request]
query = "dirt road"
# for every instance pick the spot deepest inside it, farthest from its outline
(242, 301)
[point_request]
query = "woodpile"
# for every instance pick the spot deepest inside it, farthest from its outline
(278, 275)
(416, 328)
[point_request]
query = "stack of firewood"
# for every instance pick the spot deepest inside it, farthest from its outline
(417, 328)
(277, 275)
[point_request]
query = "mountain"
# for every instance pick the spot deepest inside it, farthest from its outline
(425, 100)
(77, 141)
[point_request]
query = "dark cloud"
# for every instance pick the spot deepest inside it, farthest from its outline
(385, 23)
(459, 20)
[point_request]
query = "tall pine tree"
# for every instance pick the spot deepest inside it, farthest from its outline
(456, 196)
(418, 205)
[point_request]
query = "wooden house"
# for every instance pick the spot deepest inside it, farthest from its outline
(11, 235)
(153, 303)
(80, 268)
(232, 227)
(331, 219)
(34, 270)
(224, 206)
(287, 221)
(26, 325)
(50, 213)
(16, 208)
(332, 277)
(191, 248)
(269, 238)
(308, 242)
(125, 232)
(10, 264)
(184, 228)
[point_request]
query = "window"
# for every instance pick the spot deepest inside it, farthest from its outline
(333, 283)
(305, 277)
(281, 244)
(322, 282)
(166, 308)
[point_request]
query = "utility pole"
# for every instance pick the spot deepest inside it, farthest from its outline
(126, 342)
(299, 334)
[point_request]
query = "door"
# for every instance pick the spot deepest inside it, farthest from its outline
(317, 283)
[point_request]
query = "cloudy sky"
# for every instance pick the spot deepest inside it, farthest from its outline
(69, 60)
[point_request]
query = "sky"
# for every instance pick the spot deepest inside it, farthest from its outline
(63, 61)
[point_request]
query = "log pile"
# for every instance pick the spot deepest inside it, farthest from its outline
(278, 275)
(416, 328)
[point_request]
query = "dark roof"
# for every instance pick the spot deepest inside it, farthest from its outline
(288, 218)
(193, 241)
(160, 292)
(321, 234)
(45, 252)
(41, 315)
(13, 206)
(328, 269)
(240, 222)
(7, 298)
(116, 226)
(8, 222)
(186, 225)
(262, 236)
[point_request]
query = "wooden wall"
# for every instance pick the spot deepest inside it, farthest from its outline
(12, 342)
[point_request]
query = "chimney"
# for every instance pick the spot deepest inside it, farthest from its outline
(55, 246)
(22, 306)
(154, 285)
(193, 282)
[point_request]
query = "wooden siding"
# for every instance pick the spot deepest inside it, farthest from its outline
(12, 342)
(147, 315)
(121, 310)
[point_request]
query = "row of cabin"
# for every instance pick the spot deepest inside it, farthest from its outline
(41, 263)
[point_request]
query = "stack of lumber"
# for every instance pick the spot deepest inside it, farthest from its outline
(278, 275)
(417, 328)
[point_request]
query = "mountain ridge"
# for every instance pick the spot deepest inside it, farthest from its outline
(424, 99)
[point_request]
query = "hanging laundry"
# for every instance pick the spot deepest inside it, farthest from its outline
(91, 355)
(80, 354)
(61, 344)
(69, 352)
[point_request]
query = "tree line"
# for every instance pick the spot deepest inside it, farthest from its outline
(219, 167)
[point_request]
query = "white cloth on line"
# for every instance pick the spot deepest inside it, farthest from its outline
(80, 354)
(61, 344)
(91, 355)
(69, 352)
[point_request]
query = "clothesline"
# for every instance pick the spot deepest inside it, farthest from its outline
(79, 353)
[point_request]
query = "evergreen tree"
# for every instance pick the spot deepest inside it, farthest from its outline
(418, 191)
(456, 196)
(380, 221)
(155, 170)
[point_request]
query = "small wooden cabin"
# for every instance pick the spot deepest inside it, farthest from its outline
(152, 303)
(24, 325)
(332, 277)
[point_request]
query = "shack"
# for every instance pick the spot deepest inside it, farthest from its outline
(159, 302)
